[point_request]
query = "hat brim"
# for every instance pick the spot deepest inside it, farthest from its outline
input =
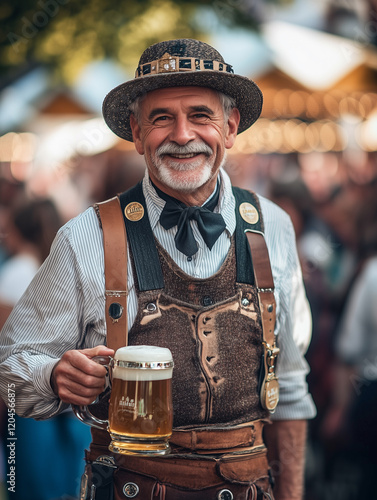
(245, 92)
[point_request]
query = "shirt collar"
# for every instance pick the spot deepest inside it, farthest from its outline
(226, 205)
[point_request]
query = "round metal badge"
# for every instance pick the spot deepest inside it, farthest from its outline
(271, 394)
(134, 211)
(249, 213)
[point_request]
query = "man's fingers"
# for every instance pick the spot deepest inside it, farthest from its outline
(75, 393)
(85, 381)
(82, 360)
(82, 363)
(77, 378)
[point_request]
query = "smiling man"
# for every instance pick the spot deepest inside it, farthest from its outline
(212, 274)
(183, 134)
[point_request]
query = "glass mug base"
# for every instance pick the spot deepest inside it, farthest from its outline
(141, 446)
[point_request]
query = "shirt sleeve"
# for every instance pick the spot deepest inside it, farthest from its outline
(293, 321)
(57, 313)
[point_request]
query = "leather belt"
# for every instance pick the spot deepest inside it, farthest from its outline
(244, 437)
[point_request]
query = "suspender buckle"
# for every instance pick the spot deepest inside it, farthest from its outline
(271, 355)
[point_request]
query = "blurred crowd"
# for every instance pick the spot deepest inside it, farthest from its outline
(336, 229)
(332, 201)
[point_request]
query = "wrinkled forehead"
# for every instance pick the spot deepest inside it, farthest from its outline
(176, 97)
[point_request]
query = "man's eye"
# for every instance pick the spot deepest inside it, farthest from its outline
(200, 115)
(160, 118)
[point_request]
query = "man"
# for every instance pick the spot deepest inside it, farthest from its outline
(183, 111)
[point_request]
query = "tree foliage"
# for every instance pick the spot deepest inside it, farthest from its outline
(66, 34)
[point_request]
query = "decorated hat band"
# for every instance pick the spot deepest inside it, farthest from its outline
(168, 64)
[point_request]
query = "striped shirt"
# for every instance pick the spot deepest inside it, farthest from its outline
(64, 306)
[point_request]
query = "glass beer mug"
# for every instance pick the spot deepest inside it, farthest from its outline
(140, 411)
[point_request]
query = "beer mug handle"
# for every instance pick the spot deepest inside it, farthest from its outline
(83, 412)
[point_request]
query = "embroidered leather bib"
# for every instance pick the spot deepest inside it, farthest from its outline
(213, 328)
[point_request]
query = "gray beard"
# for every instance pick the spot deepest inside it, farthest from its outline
(165, 167)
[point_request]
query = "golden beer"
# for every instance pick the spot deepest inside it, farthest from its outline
(141, 408)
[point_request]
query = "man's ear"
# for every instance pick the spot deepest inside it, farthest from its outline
(232, 128)
(136, 134)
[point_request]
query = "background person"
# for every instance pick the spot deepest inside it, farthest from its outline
(28, 232)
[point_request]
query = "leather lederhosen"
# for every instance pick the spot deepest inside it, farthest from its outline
(213, 328)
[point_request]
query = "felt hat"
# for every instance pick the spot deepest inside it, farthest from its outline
(181, 63)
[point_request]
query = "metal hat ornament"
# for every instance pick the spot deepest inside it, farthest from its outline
(181, 63)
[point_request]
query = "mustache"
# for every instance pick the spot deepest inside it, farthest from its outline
(171, 148)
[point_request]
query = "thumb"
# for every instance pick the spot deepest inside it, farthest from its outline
(99, 350)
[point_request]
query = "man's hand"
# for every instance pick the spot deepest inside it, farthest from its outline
(77, 379)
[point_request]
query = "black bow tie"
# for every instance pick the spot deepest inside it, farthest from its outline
(176, 213)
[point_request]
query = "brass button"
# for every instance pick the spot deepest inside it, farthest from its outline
(130, 490)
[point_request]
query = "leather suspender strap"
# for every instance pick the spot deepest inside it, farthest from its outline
(265, 286)
(115, 249)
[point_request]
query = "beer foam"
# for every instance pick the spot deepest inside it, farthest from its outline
(142, 354)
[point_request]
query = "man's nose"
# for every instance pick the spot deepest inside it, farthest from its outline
(182, 131)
